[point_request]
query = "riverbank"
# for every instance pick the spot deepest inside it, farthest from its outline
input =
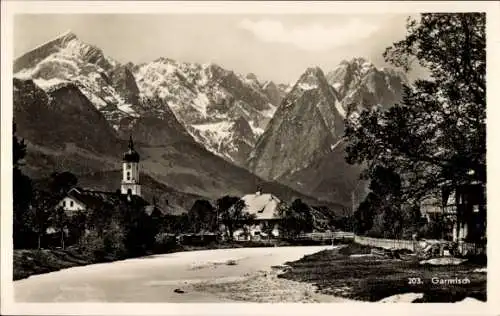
(266, 286)
(352, 272)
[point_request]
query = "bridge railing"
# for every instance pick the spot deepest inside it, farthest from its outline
(325, 236)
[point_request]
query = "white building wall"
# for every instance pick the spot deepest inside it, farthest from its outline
(71, 205)
(130, 180)
(256, 232)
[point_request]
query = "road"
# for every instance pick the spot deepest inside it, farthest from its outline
(154, 278)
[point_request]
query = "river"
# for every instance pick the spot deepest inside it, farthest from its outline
(154, 278)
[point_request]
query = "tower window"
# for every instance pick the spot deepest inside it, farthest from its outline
(128, 175)
(129, 166)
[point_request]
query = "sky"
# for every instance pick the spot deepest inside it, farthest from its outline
(273, 47)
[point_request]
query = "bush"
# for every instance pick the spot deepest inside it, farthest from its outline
(165, 243)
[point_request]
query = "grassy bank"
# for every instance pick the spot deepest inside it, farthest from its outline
(364, 277)
(29, 262)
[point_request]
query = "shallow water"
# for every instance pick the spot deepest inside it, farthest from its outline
(154, 278)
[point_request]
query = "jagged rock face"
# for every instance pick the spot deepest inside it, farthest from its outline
(303, 147)
(124, 83)
(359, 84)
(208, 100)
(304, 127)
(275, 93)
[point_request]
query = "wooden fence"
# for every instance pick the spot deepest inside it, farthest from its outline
(386, 243)
(464, 248)
(327, 236)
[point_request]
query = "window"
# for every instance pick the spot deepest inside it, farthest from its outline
(64, 203)
(128, 175)
(129, 166)
(71, 203)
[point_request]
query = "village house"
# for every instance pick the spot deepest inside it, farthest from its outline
(78, 199)
(462, 209)
(265, 225)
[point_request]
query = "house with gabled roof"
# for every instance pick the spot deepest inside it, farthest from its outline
(265, 210)
(79, 199)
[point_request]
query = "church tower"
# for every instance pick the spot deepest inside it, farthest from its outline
(130, 180)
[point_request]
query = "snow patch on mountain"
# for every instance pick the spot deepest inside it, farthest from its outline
(336, 85)
(270, 111)
(307, 86)
(201, 102)
(256, 130)
(332, 147)
(48, 84)
(204, 96)
(340, 108)
(215, 136)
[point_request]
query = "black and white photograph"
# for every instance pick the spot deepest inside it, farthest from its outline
(247, 157)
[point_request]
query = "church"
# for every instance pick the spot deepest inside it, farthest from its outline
(78, 199)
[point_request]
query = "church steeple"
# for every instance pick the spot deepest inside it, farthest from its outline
(130, 181)
(130, 143)
(131, 155)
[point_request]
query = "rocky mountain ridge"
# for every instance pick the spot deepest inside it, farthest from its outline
(303, 146)
(209, 101)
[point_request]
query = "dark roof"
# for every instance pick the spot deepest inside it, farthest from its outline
(99, 199)
(131, 155)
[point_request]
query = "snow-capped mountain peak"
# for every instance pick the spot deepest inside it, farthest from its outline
(68, 59)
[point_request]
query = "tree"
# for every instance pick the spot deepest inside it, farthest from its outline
(62, 182)
(267, 229)
(22, 192)
(231, 213)
(77, 226)
(137, 226)
(59, 220)
(202, 216)
(38, 215)
(437, 134)
(296, 219)
(222, 208)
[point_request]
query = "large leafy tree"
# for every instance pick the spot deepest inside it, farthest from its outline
(61, 183)
(296, 219)
(38, 215)
(231, 213)
(22, 193)
(437, 134)
(202, 216)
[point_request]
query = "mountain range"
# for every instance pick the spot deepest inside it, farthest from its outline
(203, 131)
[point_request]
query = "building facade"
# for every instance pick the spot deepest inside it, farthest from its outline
(462, 209)
(265, 224)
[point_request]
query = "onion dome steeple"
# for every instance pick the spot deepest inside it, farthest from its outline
(131, 155)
